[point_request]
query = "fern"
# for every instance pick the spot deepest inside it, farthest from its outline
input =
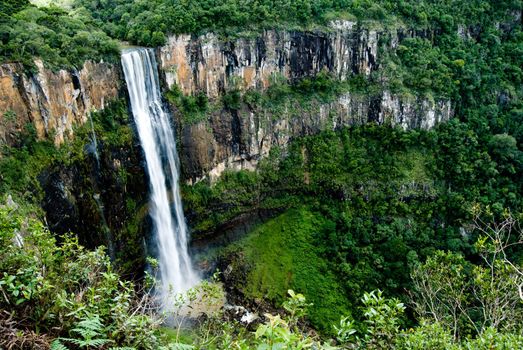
(89, 327)
(90, 331)
(57, 345)
(84, 343)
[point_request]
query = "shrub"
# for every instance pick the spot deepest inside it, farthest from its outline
(63, 290)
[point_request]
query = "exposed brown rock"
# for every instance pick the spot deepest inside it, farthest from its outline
(211, 65)
(239, 139)
(53, 102)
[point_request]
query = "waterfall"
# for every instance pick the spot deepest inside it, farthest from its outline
(105, 227)
(95, 142)
(159, 146)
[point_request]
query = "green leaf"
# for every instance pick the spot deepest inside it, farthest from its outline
(57, 345)
(180, 346)
(260, 332)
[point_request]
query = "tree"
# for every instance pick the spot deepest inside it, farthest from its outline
(498, 284)
(8, 7)
(460, 296)
(440, 290)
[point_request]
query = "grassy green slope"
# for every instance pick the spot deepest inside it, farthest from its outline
(283, 254)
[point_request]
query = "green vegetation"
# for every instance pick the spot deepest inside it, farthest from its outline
(8, 7)
(303, 94)
(192, 109)
(21, 164)
(353, 210)
(61, 39)
(235, 194)
(387, 199)
(383, 318)
(455, 312)
(85, 177)
(44, 305)
(50, 290)
(148, 22)
(284, 254)
(279, 99)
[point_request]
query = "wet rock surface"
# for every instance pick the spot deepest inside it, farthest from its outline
(92, 201)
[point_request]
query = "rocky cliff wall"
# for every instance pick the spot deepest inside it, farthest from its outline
(237, 139)
(211, 65)
(92, 198)
(53, 101)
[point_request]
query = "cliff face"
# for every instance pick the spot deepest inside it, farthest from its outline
(91, 198)
(101, 197)
(210, 65)
(237, 139)
(53, 102)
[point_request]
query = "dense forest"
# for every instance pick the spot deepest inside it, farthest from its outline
(362, 237)
(60, 38)
(147, 22)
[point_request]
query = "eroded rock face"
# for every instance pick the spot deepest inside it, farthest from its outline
(238, 139)
(208, 64)
(53, 102)
(228, 139)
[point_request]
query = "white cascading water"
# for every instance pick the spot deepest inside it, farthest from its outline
(157, 139)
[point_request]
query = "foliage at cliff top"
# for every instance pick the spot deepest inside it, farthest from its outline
(61, 39)
(147, 22)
